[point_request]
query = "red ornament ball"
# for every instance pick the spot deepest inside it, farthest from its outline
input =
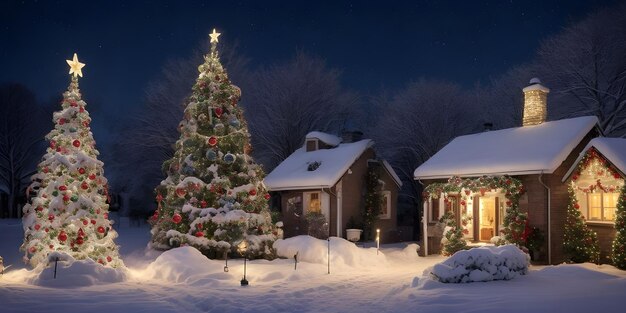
(76, 143)
(252, 192)
(85, 222)
(93, 222)
(81, 171)
(63, 188)
(51, 217)
(101, 230)
(66, 198)
(177, 218)
(616, 175)
(61, 121)
(84, 185)
(39, 208)
(267, 196)
(203, 204)
(45, 169)
(576, 206)
(212, 141)
(80, 241)
(62, 236)
(37, 226)
(92, 176)
(109, 259)
(199, 234)
(218, 112)
(181, 192)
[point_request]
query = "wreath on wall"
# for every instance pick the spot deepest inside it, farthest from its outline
(515, 221)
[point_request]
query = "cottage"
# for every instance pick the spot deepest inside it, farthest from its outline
(326, 177)
(482, 177)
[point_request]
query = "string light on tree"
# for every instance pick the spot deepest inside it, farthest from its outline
(68, 212)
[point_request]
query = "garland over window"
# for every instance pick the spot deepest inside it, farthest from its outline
(514, 220)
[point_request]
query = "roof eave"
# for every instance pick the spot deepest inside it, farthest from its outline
(510, 173)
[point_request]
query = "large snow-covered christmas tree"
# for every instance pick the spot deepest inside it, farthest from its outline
(68, 212)
(213, 197)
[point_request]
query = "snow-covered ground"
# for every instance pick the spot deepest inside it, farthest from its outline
(182, 280)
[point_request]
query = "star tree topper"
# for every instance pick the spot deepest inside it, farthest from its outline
(75, 66)
(214, 36)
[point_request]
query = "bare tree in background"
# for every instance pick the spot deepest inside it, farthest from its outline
(286, 101)
(22, 129)
(149, 140)
(418, 122)
(585, 68)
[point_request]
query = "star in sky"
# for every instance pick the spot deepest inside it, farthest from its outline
(75, 66)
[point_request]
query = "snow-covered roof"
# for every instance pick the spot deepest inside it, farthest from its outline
(328, 139)
(293, 173)
(614, 149)
(392, 173)
(515, 151)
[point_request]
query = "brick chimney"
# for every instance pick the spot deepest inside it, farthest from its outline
(535, 103)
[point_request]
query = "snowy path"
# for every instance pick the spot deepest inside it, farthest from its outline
(276, 287)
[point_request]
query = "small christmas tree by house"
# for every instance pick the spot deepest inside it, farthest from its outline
(68, 212)
(213, 197)
(619, 243)
(580, 244)
(453, 239)
(373, 202)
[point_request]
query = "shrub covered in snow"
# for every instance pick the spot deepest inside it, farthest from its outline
(482, 264)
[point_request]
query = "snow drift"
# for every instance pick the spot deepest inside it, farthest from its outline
(73, 273)
(342, 252)
(482, 264)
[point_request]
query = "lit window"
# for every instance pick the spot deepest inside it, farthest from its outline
(601, 206)
(385, 209)
(314, 202)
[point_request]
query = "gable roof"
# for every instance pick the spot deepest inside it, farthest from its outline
(613, 149)
(293, 172)
(515, 151)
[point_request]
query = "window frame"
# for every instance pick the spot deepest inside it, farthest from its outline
(602, 207)
(387, 215)
(307, 201)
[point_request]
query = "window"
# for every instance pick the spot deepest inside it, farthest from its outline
(385, 208)
(312, 202)
(601, 206)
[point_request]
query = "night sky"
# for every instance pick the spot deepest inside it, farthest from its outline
(376, 44)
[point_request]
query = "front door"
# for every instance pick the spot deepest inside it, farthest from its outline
(486, 217)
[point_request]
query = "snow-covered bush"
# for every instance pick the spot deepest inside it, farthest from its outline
(482, 264)
(72, 273)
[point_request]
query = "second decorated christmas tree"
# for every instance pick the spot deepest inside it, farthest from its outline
(213, 197)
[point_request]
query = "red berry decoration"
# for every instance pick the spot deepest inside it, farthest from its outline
(212, 141)
(576, 206)
(199, 234)
(39, 208)
(267, 196)
(84, 185)
(61, 121)
(218, 112)
(51, 217)
(85, 222)
(63, 188)
(159, 198)
(616, 175)
(93, 222)
(203, 204)
(45, 169)
(80, 241)
(81, 171)
(181, 192)
(177, 218)
(76, 143)
(109, 259)
(66, 198)
(37, 226)
(53, 144)
(92, 176)
(252, 192)
(62, 236)
(101, 230)
(81, 109)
